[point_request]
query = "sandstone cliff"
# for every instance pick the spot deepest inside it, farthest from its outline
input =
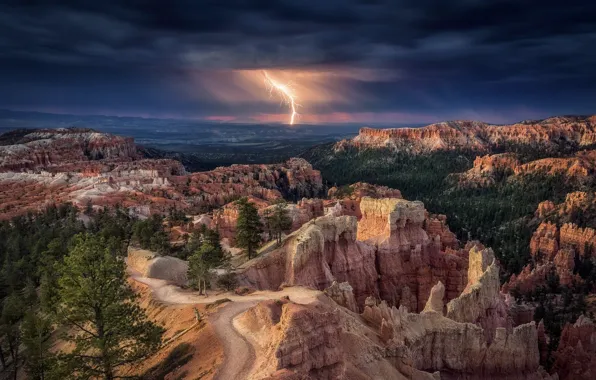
(555, 249)
(547, 133)
(388, 253)
(50, 148)
(461, 345)
(489, 169)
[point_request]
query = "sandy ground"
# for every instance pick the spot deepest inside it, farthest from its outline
(239, 353)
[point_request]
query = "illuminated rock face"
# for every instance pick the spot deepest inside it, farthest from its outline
(387, 254)
(477, 135)
(323, 340)
(489, 168)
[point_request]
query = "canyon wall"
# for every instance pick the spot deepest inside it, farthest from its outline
(474, 135)
(460, 344)
(387, 254)
(488, 169)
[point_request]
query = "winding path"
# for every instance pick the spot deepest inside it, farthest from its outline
(239, 353)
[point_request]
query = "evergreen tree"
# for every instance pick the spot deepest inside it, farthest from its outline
(248, 227)
(199, 269)
(36, 329)
(280, 221)
(10, 320)
(106, 327)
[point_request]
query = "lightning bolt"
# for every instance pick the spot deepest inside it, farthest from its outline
(285, 92)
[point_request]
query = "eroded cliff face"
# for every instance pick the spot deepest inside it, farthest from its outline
(575, 357)
(387, 254)
(460, 344)
(322, 251)
(488, 169)
(555, 249)
(295, 341)
(479, 136)
(323, 340)
(49, 149)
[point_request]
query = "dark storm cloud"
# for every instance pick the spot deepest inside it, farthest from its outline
(450, 56)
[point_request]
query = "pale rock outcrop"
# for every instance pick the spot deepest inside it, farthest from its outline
(151, 265)
(343, 294)
(460, 349)
(300, 341)
(435, 301)
(481, 301)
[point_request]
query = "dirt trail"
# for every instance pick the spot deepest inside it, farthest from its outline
(238, 351)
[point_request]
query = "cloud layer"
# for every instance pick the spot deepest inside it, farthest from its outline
(389, 59)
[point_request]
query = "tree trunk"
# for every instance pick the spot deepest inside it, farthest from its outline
(16, 361)
(107, 366)
(41, 358)
(2, 358)
(11, 349)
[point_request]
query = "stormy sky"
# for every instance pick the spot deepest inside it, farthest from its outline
(373, 61)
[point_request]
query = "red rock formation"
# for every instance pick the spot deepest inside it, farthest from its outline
(300, 341)
(487, 169)
(294, 178)
(575, 358)
(554, 248)
(544, 208)
(436, 225)
(582, 165)
(387, 254)
(84, 166)
(47, 148)
(346, 200)
(477, 135)
(459, 345)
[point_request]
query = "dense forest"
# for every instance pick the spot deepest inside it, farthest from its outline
(62, 275)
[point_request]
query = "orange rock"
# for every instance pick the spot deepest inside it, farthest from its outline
(477, 135)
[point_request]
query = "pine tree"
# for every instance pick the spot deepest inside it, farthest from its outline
(36, 329)
(280, 221)
(107, 328)
(248, 227)
(199, 269)
(10, 321)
